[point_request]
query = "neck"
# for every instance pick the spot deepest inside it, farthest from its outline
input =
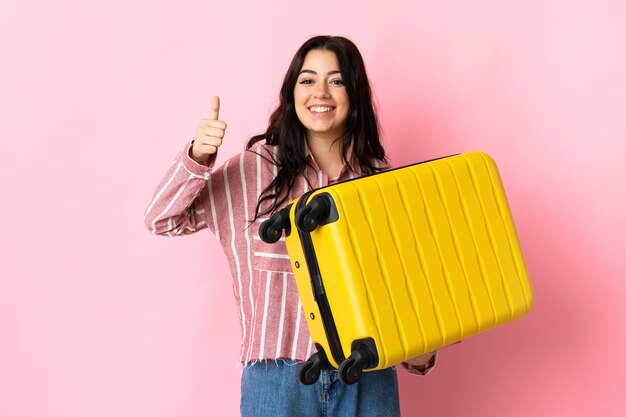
(327, 154)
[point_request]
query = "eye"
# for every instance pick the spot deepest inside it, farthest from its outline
(337, 82)
(305, 81)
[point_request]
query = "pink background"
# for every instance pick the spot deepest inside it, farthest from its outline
(100, 318)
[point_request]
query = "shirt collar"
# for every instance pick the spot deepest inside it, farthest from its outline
(345, 171)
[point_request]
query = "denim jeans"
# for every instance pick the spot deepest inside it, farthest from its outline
(271, 389)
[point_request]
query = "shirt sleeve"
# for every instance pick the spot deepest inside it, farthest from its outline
(421, 370)
(178, 206)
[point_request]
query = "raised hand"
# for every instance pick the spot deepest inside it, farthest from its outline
(209, 134)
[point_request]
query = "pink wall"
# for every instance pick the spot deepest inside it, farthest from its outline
(99, 318)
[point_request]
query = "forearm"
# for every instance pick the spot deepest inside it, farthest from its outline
(176, 208)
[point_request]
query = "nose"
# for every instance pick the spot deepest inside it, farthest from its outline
(321, 91)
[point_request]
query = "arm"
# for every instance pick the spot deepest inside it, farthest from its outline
(421, 365)
(177, 207)
(179, 203)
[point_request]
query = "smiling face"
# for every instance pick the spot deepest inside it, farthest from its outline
(320, 97)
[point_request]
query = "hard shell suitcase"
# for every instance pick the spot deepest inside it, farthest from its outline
(396, 264)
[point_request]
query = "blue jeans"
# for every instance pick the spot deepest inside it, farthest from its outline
(271, 389)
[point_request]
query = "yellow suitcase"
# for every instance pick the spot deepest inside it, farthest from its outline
(400, 263)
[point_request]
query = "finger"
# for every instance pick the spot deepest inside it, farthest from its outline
(213, 123)
(211, 131)
(201, 152)
(215, 108)
(208, 149)
(209, 141)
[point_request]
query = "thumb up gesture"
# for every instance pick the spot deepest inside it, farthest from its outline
(209, 134)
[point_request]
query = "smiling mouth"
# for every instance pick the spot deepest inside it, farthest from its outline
(321, 109)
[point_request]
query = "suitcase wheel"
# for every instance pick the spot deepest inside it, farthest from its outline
(272, 229)
(310, 216)
(309, 371)
(351, 369)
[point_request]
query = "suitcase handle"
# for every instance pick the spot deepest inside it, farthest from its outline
(317, 286)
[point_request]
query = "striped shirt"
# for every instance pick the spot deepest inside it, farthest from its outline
(192, 197)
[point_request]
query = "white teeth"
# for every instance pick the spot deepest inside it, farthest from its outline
(319, 109)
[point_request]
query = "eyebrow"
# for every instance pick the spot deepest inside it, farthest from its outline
(315, 73)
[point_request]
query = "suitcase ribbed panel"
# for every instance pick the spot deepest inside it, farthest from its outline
(421, 257)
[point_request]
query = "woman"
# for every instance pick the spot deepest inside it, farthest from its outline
(324, 131)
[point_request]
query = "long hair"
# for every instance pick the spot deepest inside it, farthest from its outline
(287, 132)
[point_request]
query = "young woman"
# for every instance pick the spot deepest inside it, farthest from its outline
(324, 131)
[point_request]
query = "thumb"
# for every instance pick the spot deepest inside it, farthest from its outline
(215, 108)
